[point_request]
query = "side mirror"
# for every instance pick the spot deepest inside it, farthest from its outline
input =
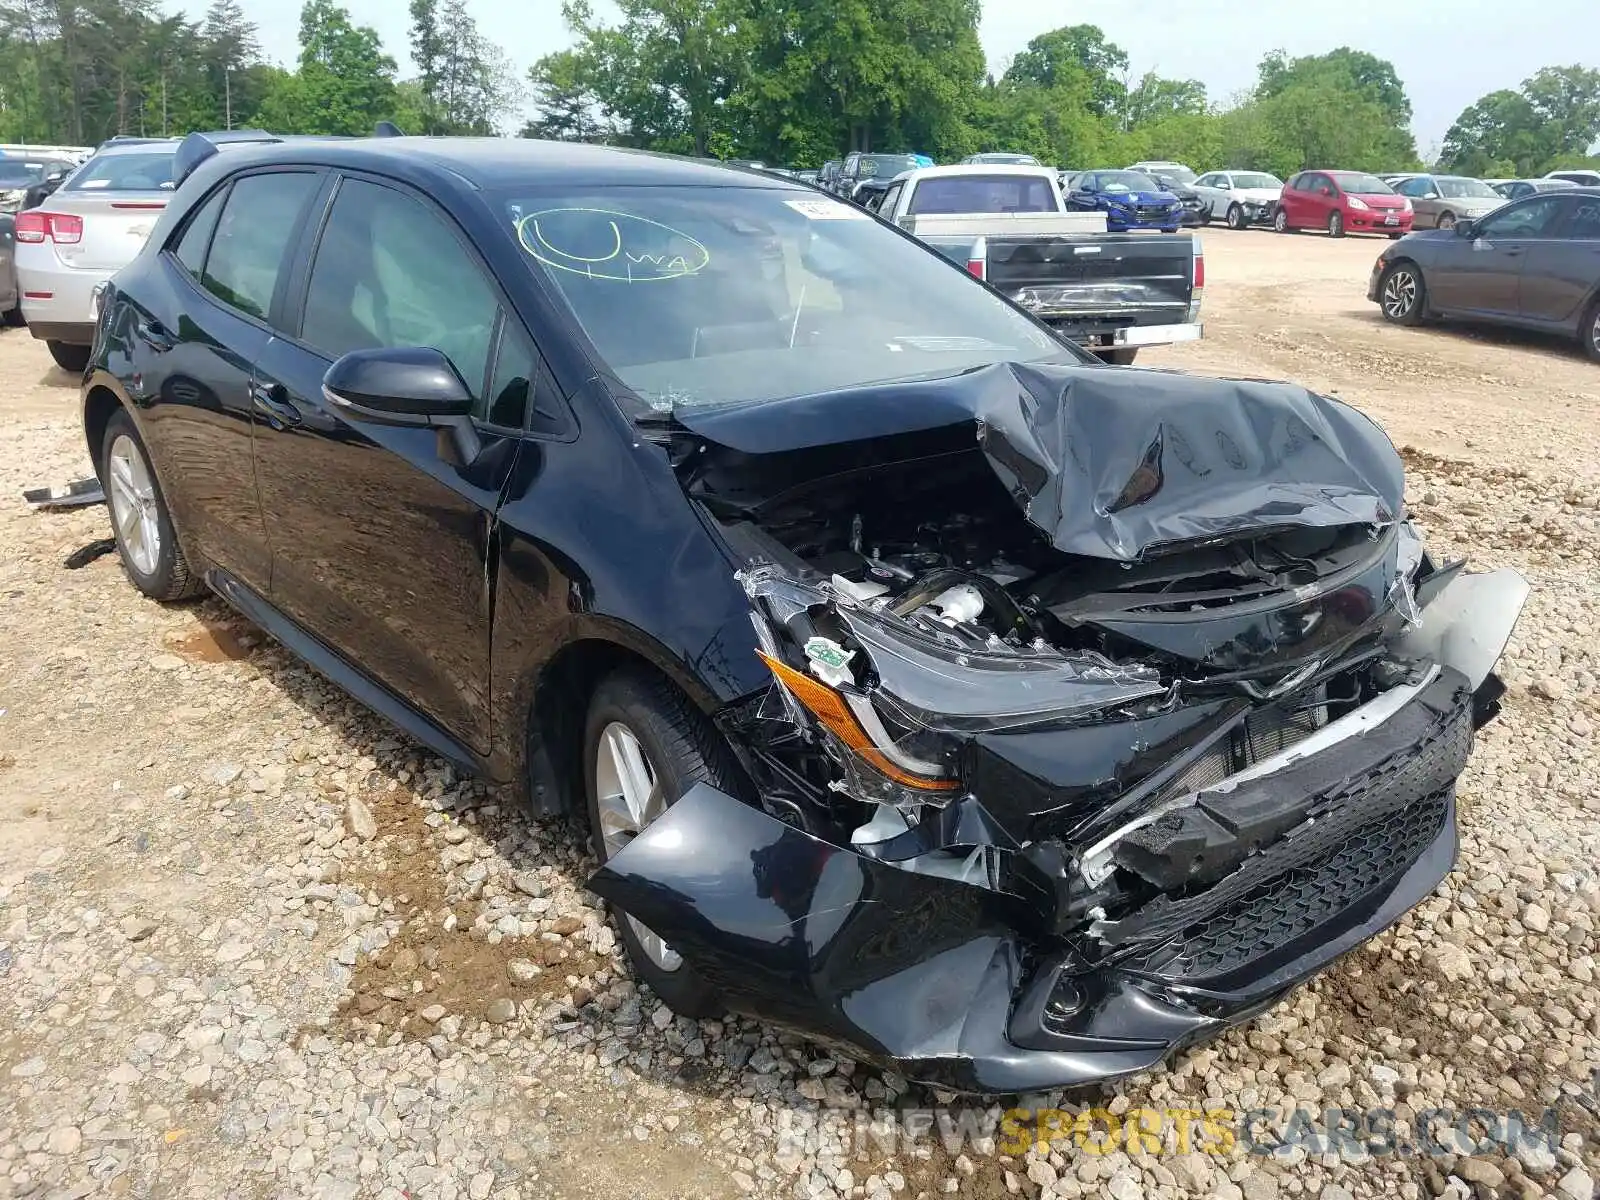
(410, 385)
(1466, 229)
(1430, 194)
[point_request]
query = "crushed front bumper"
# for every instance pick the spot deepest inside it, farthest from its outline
(935, 978)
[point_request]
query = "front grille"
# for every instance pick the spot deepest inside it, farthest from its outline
(1410, 778)
(1278, 912)
(1152, 212)
(1265, 732)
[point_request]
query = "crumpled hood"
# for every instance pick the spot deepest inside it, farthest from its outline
(1139, 197)
(1115, 463)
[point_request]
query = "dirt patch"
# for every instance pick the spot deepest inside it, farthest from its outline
(212, 643)
(441, 965)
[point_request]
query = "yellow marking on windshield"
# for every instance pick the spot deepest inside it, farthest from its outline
(645, 260)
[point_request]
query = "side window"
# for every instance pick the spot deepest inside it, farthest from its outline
(1413, 187)
(891, 199)
(1529, 218)
(516, 368)
(391, 272)
(1585, 222)
(1207, 181)
(1519, 190)
(252, 244)
(196, 240)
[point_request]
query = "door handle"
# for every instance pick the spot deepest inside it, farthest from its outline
(272, 401)
(154, 334)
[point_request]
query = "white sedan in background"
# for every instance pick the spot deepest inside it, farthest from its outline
(1242, 198)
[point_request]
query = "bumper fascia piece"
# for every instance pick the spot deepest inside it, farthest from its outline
(960, 985)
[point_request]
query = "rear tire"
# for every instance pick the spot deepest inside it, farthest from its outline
(1119, 358)
(140, 519)
(1236, 216)
(70, 358)
(677, 748)
(13, 316)
(1589, 332)
(1336, 224)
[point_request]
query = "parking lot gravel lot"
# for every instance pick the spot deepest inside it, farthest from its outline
(255, 944)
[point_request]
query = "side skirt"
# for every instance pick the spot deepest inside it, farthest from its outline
(352, 679)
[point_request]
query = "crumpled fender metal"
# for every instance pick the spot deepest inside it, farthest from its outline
(1115, 464)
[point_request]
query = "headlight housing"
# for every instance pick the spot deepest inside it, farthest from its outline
(1357, 202)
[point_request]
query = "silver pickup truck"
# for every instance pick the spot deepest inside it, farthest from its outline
(1110, 292)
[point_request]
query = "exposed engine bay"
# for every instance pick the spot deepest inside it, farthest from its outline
(1161, 683)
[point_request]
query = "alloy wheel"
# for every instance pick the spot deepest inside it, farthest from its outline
(1236, 217)
(1399, 294)
(1335, 225)
(1594, 333)
(134, 510)
(1281, 221)
(628, 788)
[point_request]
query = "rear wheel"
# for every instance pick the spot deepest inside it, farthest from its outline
(644, 747)
(1402, 295)
(140, 520)
(1589, 331)
(13, 316)
(1236, 216)
(1119, 358)
(1336, 224)
(1280, 222)
(69, 357)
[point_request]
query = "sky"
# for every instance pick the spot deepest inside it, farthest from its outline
(1447, 52)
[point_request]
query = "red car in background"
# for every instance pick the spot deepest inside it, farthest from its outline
(1341, 202)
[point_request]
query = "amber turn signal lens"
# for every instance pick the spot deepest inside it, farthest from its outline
(829, 707)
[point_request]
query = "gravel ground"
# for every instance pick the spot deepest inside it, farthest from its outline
(253, 943)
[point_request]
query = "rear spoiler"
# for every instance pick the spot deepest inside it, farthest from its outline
(199, 147)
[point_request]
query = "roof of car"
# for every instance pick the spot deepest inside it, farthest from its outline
(1025, 169)
(136, 146)
(501, 162)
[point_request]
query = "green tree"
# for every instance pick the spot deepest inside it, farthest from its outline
(229, 48)
(465, 82)
(1049, 59)
(1157, 99)
(564, 98)
(1343, 70)
(345, 84)
(1553, 120)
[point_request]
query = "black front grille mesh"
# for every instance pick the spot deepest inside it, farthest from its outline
(1277, 912)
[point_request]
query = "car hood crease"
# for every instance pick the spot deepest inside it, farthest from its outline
(1115, 463)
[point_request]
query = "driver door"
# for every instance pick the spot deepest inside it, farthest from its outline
(381, 534)
(1481, 274)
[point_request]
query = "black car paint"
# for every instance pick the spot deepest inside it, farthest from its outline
(1544, 283)
(462, 596)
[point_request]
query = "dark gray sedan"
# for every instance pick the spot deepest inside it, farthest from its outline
(1533, 263)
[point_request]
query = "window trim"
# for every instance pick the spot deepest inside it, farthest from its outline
(300, 275)
(170, 250)
(1551, 234)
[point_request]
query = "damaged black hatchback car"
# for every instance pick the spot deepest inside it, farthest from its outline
(930, 689)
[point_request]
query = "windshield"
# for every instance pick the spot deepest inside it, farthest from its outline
(1361, 185)
(1256, 179)
(1454, 186)
(1127, 181)
(721, 295)
(145, 171)
(886, 165)
(984, 194)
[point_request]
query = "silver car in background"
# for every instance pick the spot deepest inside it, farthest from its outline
(1242, 198)
(82, 235)
(1441, 200)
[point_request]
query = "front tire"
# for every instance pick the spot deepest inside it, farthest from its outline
(1336, 224)
(1236, 216)
(1280, 222)
(140, 519)
(1119, 358)
(13, 316)
(70, 358)
(1402, 295)
(644, 746)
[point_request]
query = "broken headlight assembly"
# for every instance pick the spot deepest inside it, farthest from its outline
(894, 689)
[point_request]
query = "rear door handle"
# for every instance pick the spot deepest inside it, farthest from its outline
(272, 401)
(154, 334)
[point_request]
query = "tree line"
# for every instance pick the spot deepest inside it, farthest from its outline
(783, 81)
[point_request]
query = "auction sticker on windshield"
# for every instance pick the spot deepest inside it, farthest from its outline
(827, 210)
